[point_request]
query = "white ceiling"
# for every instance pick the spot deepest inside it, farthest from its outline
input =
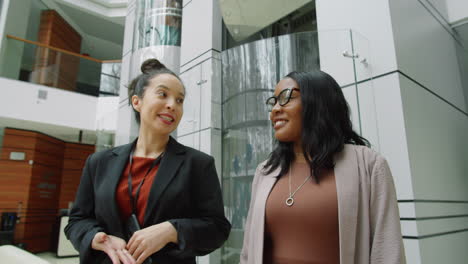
(244, 18)
(99, 22)
(110, 29)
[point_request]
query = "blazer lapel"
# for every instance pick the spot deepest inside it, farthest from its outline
(347, 186)
(117, 164)
(258, 220)
(170, 163)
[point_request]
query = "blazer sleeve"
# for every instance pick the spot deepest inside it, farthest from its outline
(244, 256)
(386, 238)
(209, 228)
(82, 224)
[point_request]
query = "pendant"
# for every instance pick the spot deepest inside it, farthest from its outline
(290, 201)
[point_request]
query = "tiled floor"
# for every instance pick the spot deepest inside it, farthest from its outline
(53, 259)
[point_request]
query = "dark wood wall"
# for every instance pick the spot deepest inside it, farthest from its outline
(73, 162)
(53, 68)
(38, 186)
(15, 176)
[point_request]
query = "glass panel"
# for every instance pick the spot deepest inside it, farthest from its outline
(104, 140)
(364, 111)
(335, 51)
(89, 77)
(291, 48)
(110, 79)
(233, 59)
(159, 23)
(249, 75)
(34, 18)
(61, 70)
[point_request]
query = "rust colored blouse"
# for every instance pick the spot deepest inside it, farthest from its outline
(139, 168)
(306, 232)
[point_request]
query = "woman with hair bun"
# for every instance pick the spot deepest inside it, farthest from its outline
(153, 200)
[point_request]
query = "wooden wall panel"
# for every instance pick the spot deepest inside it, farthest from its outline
(54, 68)
(81, 151)
(44, 187)
(5, 154)
(19, 142)
(15, 176)
(18, 132)
(75, 156)
(37, 190)
(44, 193)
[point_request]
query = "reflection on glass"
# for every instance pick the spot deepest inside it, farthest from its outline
(110, 79)
(89, 77)
(159, 23)
(292, 49)
(104, 140)
(53, 68)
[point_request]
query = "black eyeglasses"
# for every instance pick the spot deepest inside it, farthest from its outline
(283, 98)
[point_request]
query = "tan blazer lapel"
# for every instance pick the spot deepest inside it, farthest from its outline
(347, 187)
(264, 189)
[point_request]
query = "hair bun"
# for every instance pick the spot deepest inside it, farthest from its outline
(151, 65)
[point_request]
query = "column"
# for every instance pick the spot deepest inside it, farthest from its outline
(200, 69)
(152, 30)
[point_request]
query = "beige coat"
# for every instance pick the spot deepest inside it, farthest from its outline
(369, 222)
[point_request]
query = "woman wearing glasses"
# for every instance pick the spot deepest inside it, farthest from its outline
(322, 196)
(153, 200)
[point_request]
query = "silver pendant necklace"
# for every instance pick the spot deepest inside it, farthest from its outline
(290, 199)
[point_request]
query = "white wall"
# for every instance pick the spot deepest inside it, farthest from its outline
(440, 5)
(107, 113)
(436, 123)
(457, 10)
(426, 51)
(369, 18)
(200, 69)
(439, 164)
(200, 32)
(381, 116)
(437, 143)
(20, 100)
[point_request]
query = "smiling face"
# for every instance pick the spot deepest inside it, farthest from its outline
(161, 106)
(287, 119)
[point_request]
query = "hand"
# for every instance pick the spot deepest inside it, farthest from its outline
(114, 247)
(147, 241)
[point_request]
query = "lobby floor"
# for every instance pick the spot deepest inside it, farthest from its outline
(53, 259)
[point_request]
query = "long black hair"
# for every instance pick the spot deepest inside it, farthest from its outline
(326, 125)
(149, 69)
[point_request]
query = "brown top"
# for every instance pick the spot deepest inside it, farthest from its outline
(139, 168)
(306, 232)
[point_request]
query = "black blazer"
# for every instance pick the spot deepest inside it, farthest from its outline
(185, 192)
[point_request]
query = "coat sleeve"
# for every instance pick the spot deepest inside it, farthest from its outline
(209, 228)
(244, 256)
(386, 239)
(82, 224)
